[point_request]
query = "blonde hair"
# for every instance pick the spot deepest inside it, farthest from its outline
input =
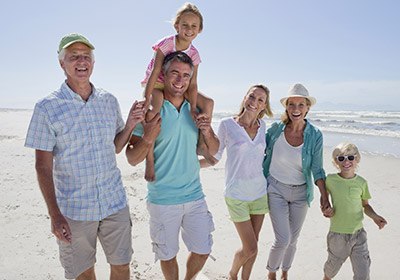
(345, 149)
(188, 8)
(285, 117)
(267, 111)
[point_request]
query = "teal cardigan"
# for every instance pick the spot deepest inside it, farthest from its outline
(312, 157)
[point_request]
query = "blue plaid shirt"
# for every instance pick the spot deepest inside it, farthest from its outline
(81, 136)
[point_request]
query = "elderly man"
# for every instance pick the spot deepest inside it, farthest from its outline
(76, 132)
(176, 200)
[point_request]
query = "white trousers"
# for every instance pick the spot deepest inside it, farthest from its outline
(288, 208)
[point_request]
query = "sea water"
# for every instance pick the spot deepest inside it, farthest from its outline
(374, 132)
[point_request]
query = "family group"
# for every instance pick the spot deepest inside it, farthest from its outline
(77, 130)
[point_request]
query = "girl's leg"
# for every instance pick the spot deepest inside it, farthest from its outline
(157, 99)
(249, 237)
(206, 106)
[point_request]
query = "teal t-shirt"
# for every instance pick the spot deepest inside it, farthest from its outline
(176, 163)
(347, 196)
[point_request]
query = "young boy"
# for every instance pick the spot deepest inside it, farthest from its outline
(349, 194)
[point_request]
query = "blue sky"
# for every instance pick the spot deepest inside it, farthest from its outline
(343, 51)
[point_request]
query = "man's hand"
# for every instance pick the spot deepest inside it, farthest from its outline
(60, 228)
(136, 114)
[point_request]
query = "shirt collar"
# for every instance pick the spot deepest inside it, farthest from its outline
(68, 93)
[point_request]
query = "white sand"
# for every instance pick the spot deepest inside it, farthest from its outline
(29, 251)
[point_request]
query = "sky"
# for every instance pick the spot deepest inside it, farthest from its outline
(346, 52)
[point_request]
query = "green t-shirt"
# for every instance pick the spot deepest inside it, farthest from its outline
(347, 196)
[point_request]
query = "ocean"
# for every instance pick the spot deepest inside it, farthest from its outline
(374, 132)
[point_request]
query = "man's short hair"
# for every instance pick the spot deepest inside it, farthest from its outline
(176, 56)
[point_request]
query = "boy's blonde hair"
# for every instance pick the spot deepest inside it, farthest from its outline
(188, 8)
(345, 149)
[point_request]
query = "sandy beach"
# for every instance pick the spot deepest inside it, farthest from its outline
(29, 250)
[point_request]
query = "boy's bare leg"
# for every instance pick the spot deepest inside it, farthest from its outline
(157, 100)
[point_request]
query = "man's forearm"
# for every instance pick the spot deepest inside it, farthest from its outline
(137, 151)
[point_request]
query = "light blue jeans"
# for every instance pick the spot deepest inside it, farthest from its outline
(288, 208)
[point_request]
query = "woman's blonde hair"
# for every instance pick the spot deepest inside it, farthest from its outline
(188, 8)
(267, 111)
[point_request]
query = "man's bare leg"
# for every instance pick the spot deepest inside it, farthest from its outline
(170, 269)
(87, 275)
(120, 272)
(194, 264)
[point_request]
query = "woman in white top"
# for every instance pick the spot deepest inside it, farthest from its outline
(245, 192)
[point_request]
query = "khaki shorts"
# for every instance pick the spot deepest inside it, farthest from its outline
(114, 233)
(240, 210)
(341, 246)
(166, 221)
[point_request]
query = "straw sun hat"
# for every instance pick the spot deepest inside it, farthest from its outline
(298, 90)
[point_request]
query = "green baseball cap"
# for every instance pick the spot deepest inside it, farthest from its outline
(73, 38)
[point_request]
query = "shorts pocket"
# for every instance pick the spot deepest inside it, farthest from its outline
(158, 238)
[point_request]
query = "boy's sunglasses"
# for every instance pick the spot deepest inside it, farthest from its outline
(343, 158)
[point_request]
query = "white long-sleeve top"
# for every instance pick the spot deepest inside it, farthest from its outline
(244, 178)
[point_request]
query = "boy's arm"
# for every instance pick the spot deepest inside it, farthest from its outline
(157, 68)
(369, 211)
(324, 201)
(192, 93)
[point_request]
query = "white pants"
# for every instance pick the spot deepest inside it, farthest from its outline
(288, 208)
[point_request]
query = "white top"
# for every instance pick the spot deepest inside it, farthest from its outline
(286, 164)
(244, 178)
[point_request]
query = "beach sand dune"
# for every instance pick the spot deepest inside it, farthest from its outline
(29, 251)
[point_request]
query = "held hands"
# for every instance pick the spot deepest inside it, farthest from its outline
(328, 212)
(136, 114)
(203, 123)
(326, 208)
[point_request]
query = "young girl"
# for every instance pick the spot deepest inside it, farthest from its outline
(188, 23)
(349, 194)
(243, 137)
